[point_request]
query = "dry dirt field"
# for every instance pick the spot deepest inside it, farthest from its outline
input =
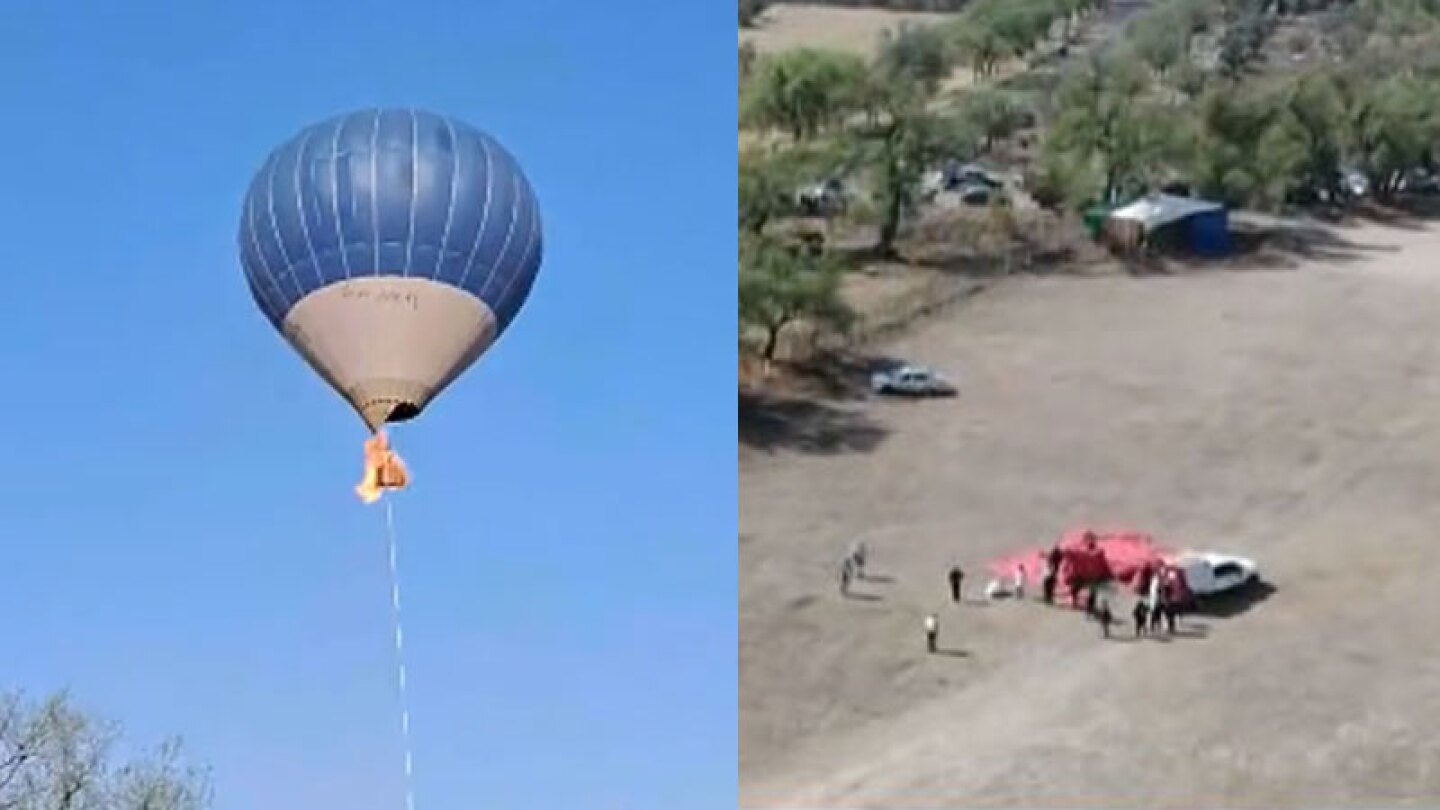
(856, 30)
(1288, 414)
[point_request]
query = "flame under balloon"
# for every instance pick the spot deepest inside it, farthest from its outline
(383, 470)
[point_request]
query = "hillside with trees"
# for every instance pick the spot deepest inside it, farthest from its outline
(1265, 105)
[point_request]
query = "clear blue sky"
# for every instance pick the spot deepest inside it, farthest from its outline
(181, 544)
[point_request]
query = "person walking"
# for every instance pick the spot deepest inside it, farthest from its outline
(1054, 558)
(1156, 601)
(957, 577)
(858, 553)
(1105, 617)
(1142, 584)
(1141, 615)
(1052, 570)
(1177, 596)
(847, 570)
(1019, 583)
(932, 631)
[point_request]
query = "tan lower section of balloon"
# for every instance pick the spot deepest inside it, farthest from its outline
(389, 344)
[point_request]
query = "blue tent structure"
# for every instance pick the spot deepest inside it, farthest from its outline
(1198, 226)
(1209, 232)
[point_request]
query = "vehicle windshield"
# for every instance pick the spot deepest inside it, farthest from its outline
(1227, 569)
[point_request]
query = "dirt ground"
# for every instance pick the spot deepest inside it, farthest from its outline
(1286, 413)
(856, 30)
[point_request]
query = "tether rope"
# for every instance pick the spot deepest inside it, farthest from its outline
(400, 657)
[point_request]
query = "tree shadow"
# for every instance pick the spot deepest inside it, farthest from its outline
(1421, 206)
(861, 596)
(1234, 602)
(771, 423)
(1411, 212)
(951, 652)
(843, 375)
(1311, 241)
(1285, 247)
(1301, 234)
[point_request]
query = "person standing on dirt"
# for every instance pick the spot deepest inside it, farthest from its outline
(1018, 586)
(1105, 617)
(1075, 584)
(956, 577)
(1052, 570)
(932, 631)
(1141, 613)
(858, 552)
(847, 570)
(1155, 599)
(1142, 583)
(1170, 593)
(1178, 595)
(1092, 601)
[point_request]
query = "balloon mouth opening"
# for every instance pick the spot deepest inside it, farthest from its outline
(403, 412)
(378, 413)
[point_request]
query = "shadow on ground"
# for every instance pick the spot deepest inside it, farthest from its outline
(841, 375)
(1235, 602)
(1276, 244)
(1263, 249)
(1304, 242)
(771, 423)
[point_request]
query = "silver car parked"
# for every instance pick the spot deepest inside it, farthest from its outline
(913, 381)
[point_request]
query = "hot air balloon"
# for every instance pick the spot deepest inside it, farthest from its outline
(390, 248)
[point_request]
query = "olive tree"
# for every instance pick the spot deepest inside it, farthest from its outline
(783, 284)
(55, 757)
(802, 91)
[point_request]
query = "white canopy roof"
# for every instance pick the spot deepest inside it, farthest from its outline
(1157, 210)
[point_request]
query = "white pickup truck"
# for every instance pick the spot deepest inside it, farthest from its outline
(1207, 572)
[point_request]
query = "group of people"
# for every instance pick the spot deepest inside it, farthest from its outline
(956, 577)
(852, 567)
(1164, 601)
(1162, 596)
(1097, 605)
(1161, 602)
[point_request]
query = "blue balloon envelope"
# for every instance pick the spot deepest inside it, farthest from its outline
(390, 248)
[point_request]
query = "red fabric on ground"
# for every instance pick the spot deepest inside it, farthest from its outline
(1089, 555)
